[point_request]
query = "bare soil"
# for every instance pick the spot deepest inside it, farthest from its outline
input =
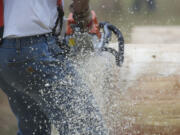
(7, 120)
(155, 35)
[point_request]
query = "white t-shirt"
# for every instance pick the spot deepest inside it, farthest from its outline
(29, 17)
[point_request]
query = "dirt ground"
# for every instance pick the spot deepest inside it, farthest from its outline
(7, 119)
(143, 95)
(155, 34)
(150, 107)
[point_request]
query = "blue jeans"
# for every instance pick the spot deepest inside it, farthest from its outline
(44, 88)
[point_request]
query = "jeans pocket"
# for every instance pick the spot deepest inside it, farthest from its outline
(27, 54)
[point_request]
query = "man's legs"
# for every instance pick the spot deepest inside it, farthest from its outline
(45, 84)
(31, 120)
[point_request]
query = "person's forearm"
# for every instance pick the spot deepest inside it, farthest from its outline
(81, 12)
(79, 6)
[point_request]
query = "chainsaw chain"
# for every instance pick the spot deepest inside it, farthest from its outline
(119, 57)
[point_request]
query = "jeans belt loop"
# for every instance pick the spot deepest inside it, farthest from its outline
(18, 45)
(48, 36)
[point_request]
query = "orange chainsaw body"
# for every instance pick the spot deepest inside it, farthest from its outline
(93, 25)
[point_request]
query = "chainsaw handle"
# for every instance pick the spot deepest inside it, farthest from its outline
(107, 34)
(108, 29)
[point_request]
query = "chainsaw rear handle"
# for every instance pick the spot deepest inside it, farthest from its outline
(108, 29)
(107, 33)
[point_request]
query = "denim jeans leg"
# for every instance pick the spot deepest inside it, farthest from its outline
(46, 89)
(31, 120)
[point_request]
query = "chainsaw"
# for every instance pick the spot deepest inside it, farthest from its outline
(95, 40)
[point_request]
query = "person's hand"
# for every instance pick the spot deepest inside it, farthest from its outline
(81, 12)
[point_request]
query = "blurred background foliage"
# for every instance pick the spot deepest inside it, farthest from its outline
(120, 13)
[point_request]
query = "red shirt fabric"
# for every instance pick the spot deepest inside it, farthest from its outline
(1, 13)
